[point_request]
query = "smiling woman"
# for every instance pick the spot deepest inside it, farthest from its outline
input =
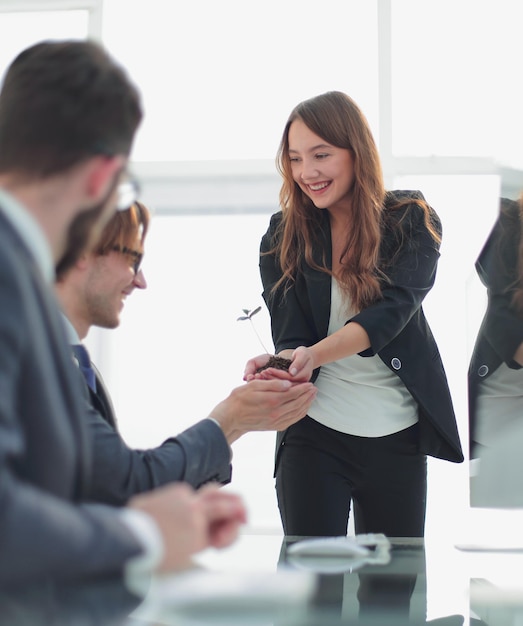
(345, 267)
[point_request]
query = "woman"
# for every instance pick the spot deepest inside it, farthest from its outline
(345, 266)
(496, 366)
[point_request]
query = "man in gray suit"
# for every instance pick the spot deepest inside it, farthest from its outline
(92, 293)
(68, 115)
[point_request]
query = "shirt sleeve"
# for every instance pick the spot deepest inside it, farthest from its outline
(139, 569)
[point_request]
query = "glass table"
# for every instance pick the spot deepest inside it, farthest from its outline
(257, 582)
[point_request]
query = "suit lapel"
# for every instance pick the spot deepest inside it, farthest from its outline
(101, 400)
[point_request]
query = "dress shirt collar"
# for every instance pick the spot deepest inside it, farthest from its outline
(30, 232)
(70, 332)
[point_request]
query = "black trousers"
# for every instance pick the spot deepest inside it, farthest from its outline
(320, 472)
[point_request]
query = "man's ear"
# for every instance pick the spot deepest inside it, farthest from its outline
(82, 261)
(73, 274)
(101, 175)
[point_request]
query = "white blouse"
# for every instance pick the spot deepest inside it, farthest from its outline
(360, 395)
(499, 402)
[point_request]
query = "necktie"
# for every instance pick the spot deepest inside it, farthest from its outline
(84, 363)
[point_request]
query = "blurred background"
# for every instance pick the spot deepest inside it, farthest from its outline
(438, 82)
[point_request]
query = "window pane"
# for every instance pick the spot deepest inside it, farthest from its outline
(20, 30)
(455, 80)
(220, 78)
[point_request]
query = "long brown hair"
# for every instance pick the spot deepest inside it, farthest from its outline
(337, 119)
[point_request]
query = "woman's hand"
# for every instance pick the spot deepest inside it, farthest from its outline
(302, 364)
(253, 364)
(268, 373)
(300, 370)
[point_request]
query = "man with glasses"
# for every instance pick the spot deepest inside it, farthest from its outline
(92, 293)
(68, 115)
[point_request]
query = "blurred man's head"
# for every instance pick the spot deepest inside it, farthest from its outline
(93, 291)
(61, 103)
(68, 115)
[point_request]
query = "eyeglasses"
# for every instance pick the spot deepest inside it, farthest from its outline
(127, 192)
(135, 256)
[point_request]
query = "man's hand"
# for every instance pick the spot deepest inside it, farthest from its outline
(225, 513)
(191, 521)
(263, 405)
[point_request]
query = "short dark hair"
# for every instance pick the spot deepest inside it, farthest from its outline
(62, 102)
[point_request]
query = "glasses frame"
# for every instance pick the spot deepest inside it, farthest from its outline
(134, 254)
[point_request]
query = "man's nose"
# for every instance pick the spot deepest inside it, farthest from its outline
(139, 280)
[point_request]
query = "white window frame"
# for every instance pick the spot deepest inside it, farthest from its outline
(94, 7)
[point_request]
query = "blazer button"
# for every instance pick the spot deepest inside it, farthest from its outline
(396, 363)
(483, 370)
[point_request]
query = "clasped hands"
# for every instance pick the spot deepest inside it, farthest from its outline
(190, 521)
(300, 370)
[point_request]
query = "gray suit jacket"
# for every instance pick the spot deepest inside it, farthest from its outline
(46, 528)
(198, 455)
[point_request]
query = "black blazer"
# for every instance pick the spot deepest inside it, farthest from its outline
(396, 325)
(501, 330)
(46, 529)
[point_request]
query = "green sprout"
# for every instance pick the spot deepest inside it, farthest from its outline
(248, 316)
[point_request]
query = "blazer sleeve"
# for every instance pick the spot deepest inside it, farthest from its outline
(198, 455)
(47, 537)
(409, 258)
(43, 531)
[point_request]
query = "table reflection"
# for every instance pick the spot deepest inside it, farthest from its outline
(237, 589)
(365, 594)
(105, 602)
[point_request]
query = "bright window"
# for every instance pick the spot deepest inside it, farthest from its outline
(20, 30)
(220, 78)
(455, 83)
